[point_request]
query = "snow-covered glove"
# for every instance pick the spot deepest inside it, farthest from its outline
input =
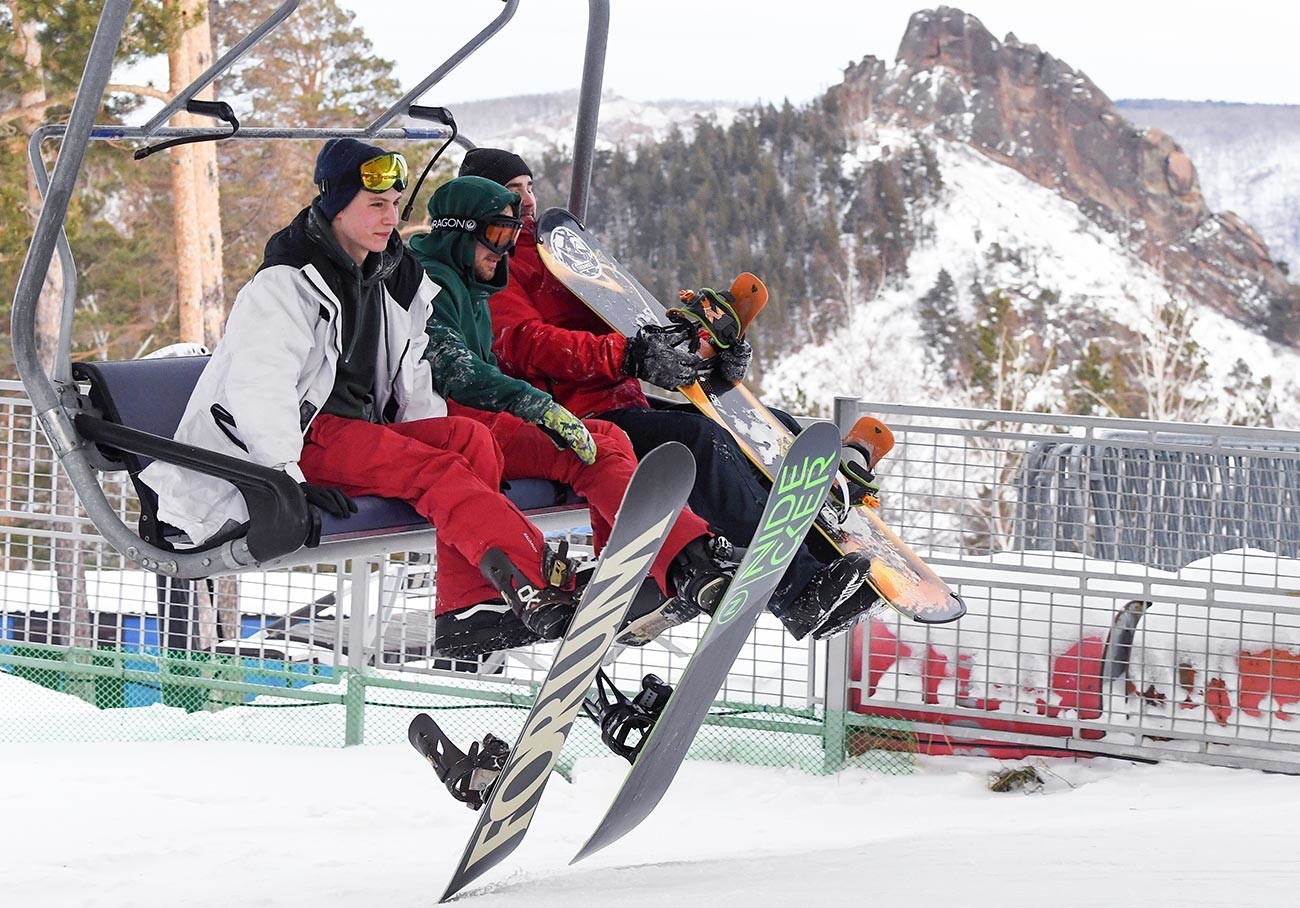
(651, 357)
(732, 364)
(567, 431)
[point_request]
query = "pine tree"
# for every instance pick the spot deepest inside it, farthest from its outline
(940, 321)
(316, 69)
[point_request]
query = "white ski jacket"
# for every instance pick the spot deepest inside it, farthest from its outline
(271, 373)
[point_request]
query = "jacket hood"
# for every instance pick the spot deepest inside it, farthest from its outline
(309, 238)
(462, 199)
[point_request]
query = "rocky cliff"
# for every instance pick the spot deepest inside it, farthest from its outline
(1024, 108)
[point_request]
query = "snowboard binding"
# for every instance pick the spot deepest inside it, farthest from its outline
(864, 447)
(711, 312)
(468, 776)
(619, 717)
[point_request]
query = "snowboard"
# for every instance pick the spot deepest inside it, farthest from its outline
(654, 498)
(803, 480)
(897, 574)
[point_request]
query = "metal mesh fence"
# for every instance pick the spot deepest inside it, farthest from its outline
(93, 649)
(1133, 588)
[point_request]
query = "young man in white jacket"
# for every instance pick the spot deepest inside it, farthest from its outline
(321, 374)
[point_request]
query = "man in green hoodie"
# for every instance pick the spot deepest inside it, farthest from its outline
(473, 227)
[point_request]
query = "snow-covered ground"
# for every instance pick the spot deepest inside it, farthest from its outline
(1049, 245)
(218, 823)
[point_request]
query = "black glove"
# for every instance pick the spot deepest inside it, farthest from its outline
(331, 501)
(652, 358)
(732, 364)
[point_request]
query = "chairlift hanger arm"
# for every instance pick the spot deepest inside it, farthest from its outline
(584, 138)
(404, 103)
(223, 63)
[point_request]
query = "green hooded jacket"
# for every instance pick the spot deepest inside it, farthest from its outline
(460, 332)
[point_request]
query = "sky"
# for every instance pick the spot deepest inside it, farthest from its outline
(751, 50)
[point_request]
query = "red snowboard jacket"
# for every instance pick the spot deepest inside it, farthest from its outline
(545, 335)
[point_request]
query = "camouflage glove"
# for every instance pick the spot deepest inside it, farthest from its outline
(567, 431)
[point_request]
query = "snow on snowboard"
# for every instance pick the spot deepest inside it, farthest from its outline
(901, 578)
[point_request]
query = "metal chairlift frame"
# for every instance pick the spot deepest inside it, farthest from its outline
(64, 412)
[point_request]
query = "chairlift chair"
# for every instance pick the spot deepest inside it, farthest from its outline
(128, 415)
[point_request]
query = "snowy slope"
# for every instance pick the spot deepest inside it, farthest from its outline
(533, 124)
(209, 824)
(985, 206)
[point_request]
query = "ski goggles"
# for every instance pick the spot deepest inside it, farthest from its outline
(498, 232)
(388, 171)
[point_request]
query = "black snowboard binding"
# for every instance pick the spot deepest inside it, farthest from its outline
(710, 311)
(546, 611)
(620, 717)
(468, 776)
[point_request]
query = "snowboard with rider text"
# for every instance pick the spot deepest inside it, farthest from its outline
(896, 573)
(654, 498)
(803, 479)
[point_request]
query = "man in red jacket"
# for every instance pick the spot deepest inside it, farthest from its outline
(544, 334)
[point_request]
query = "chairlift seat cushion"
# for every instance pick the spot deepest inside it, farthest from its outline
(151, 395)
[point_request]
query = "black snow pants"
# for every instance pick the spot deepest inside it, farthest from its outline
(729, 491)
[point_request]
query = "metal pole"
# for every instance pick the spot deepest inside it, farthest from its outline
(61, 368)
(90, 94)
(227, 60)
(593, 75)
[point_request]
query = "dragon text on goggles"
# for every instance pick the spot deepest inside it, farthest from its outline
(497, 232)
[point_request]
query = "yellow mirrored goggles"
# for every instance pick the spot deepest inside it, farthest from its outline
(385, 172)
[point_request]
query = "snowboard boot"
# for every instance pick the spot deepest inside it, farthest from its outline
(699, 574)
(862, 604)
(701, 571)
(829, 599)
(470, 633)
(545, 611)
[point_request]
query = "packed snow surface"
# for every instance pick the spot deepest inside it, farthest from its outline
(219, 823)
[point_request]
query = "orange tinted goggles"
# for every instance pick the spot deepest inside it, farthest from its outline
(500, 233)
(385, 172)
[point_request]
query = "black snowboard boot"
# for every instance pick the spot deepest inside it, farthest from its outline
(546, 611)
(699, 574)
(830, 601)
(701, 571)
(469, 634)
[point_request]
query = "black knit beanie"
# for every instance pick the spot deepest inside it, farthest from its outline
(338, 172)
(495, 164)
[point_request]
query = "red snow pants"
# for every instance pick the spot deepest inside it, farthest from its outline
(450, 470)
(530, 453)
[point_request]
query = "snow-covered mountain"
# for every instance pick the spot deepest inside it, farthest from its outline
(532, 124)
(1139, 243)
(1247, 157)
(993, 227)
